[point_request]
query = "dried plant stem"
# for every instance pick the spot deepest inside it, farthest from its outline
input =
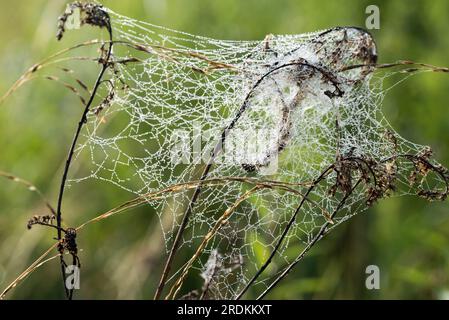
(177, 240)
(399, 63)
(30, 187)
(48, 61)
(319, 235)
(36, 264)
(81, 123)
(442, 172)
(322, 176)
(181, 187)
(222, 220)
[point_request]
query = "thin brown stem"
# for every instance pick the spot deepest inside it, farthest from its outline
(81, 123)
(30, 187)
(319, 235)
(36, 264)
(228, 212)
(285, 232)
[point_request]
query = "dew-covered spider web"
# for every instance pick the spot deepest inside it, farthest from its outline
(289, 130)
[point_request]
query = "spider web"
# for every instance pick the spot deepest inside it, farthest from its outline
(292, 105)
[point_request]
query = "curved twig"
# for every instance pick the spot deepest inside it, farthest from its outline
(319, 235)
(228, 212)
(322, 176)
(81, 123)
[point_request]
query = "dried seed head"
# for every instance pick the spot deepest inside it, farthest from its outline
(40, 219)
(86, 13)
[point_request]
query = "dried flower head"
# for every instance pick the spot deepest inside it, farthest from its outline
(90, 13)
(40, 219)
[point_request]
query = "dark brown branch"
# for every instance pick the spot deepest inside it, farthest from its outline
(319, 235)
(68, 163)
(285, 232)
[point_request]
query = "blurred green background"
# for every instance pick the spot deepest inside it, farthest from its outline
(408, 238)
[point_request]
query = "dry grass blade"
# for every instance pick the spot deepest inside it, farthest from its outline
(28, 75)
(189, 186)
(36, 264)
(67, 86)
(417, 66)
(143, 200)
(222, 220)
(29, 186)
